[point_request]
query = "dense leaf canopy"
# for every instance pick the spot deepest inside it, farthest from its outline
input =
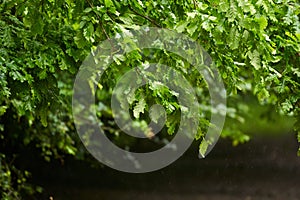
(254, 44)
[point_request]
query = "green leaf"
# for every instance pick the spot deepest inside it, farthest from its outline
(254, 59)
(263, 22)
(37, 26)
(192, 28)
(2, 110)
(181, 26)
(108, 3)
(43, 74)
(70, 150)
(263, 95)
(171, 124)
(43, 114)
(234, 38)
(87, 10)
(224, 6)
(156, 114)
(286, 106)
(203, 148)
(139, 108)
(89, 32)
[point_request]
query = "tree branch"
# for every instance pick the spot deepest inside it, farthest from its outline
(145, 17)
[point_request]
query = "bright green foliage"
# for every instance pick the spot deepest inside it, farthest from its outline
(254, 44)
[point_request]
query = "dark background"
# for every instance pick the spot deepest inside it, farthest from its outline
(264, 168)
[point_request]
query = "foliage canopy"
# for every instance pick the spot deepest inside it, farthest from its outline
(254, 44)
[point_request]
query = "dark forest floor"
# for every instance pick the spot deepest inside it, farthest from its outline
(264, 168)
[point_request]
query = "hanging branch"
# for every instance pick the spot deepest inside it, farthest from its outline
(103, 29)
(101, 25)
(145, 17)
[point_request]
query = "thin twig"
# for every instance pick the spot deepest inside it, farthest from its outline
(103, 30)
(195, 4)
(146, 17)
(101, 25)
